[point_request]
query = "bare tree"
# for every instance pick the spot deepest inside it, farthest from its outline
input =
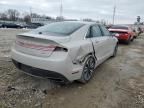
(27, 18)
(13, 14)
(3, 16)
(103, 22)
(59, 18)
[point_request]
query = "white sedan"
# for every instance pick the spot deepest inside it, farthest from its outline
(64, 51)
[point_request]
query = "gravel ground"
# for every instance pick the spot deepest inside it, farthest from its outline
(117, 83)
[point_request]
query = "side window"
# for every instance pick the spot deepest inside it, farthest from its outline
(105, 31)
(95, 31)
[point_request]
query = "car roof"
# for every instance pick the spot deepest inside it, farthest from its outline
(120, 26)
(83, 22)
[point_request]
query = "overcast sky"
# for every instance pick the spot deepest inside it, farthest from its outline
(126, 11)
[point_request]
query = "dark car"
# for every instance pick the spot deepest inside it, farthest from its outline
(29, 26)
(38, 24)
(0, 25)
(11, 25)
(32, 25)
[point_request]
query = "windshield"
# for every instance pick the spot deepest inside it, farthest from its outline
(59, 28)
(119, 27)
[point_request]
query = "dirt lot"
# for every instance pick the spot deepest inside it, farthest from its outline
(117, 83)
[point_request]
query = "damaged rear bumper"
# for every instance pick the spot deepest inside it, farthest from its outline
(40, 72)
(51, 68)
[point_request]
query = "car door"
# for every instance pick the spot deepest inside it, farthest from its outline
(99, 42)
(110, 43)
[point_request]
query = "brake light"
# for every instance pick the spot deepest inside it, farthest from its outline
(123, 34)
(40, 47)
(35, 46)
(126, 34)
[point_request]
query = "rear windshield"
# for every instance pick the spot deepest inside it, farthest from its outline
(58, 28)
(119, 27)
(115, 32)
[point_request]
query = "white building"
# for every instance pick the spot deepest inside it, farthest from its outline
(42, 20)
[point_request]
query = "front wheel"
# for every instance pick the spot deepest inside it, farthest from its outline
(88, 69)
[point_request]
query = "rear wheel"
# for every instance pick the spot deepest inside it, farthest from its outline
(88, 69)
(128, 41)
(132, 39)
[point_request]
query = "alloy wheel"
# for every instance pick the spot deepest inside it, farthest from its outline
(88, 68)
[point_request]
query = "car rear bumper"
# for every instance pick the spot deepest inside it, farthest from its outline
(123, 38)
(40, 72)
(47, 67)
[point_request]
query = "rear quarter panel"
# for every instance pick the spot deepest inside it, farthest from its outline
(77, 50)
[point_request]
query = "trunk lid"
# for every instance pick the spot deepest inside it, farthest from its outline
(38, 45)
(120, 32)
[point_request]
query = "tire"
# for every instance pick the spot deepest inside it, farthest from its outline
(88, 69)
(128, 41)
(115, 51)
(132, 39)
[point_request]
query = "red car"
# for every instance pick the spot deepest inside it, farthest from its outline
(123, 33)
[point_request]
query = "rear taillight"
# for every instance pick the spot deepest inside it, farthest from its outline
(35, 46)
(40, 47)
(126, 34)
